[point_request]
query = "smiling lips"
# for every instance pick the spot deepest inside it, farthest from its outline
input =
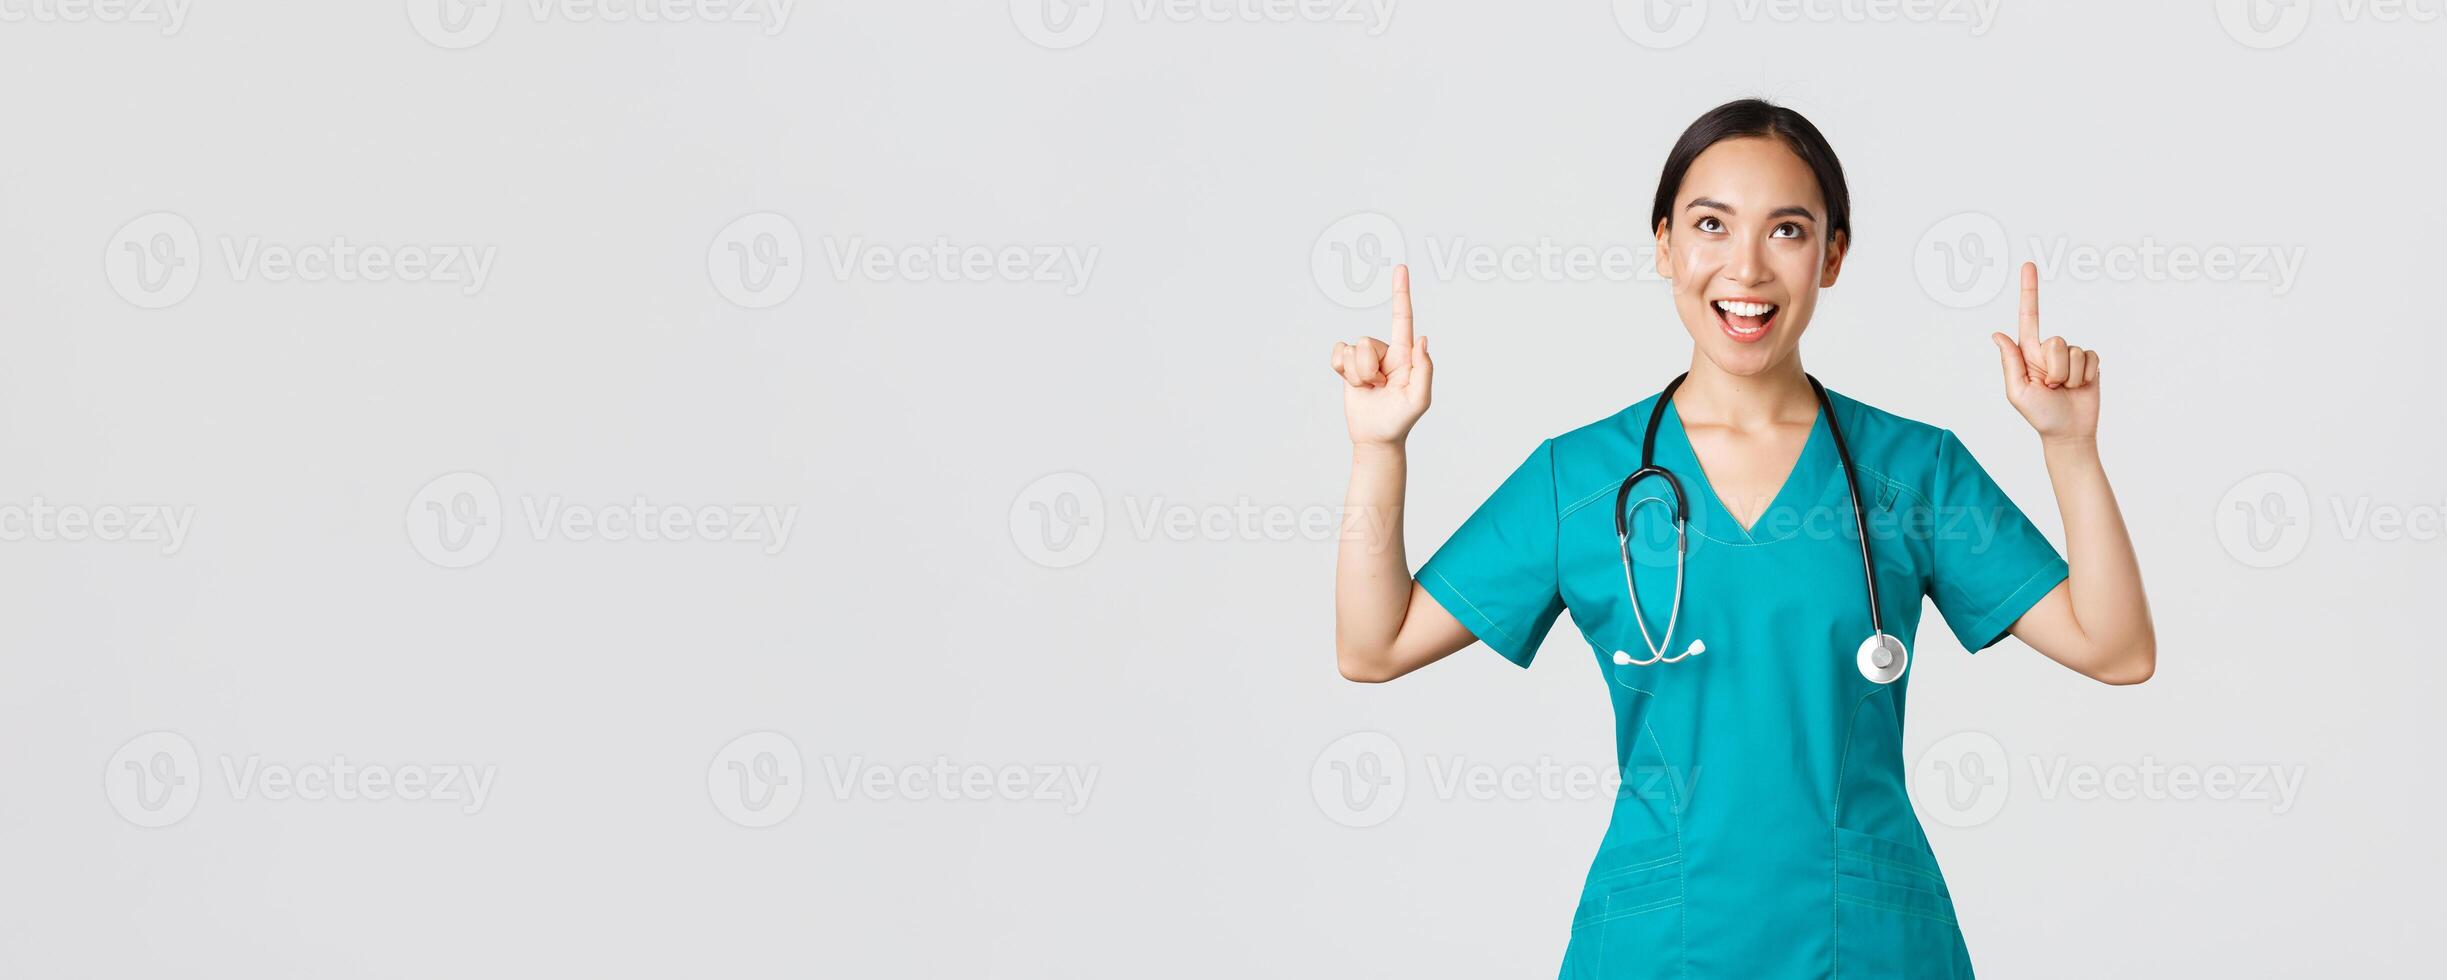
(1744, 320)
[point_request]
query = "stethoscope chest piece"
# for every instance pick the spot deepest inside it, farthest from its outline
(1882, 658)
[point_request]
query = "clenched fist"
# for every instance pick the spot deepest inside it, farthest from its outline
(1386, 385)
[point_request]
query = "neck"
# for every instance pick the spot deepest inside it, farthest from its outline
(1779, 394)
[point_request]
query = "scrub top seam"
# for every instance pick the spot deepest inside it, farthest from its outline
(1682, 881)
(1585, 500)
(1554, 529)
(1897, 484)
(1824, 492)
(1835, 816)
(1819, 421)
(1475, 610)
(1987, 623)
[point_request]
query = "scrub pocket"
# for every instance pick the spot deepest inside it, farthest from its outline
(1629, 923)
(1893, 917)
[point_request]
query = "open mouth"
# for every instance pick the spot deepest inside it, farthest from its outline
(1746, 321)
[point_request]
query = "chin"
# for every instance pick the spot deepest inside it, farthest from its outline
(1743, 361)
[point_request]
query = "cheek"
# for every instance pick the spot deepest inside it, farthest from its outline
(1799, 263)
(1693, 267)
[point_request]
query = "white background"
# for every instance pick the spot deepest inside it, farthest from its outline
(938, 604)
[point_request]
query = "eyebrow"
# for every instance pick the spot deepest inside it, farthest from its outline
(1788, 210)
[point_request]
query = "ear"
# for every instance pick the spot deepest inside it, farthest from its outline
(1836, 248)
(1665, 249)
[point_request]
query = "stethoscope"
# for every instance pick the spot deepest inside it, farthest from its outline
(1881, 658)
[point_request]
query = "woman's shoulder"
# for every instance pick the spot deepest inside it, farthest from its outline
(1589, 460)
(1903, 450)
(1606, 439)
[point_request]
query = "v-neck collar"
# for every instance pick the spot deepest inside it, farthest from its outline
(1805, 486)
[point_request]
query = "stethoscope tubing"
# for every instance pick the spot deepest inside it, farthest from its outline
(1682, 517)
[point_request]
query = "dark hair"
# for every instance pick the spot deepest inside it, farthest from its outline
(1754, 117)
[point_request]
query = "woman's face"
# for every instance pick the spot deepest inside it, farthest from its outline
(1747, 250)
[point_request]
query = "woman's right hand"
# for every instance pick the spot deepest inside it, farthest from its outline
(1386, 385)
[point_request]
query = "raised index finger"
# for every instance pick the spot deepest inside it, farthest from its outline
(1401, 307)
(2030, 307)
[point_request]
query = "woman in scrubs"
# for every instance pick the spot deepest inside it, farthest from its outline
(1798, 855)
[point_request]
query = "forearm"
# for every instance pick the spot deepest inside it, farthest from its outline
(2109, 610)
(1372, 584)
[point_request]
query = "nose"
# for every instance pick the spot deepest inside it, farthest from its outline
(1748, 263)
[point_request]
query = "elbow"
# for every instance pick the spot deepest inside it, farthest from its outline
(1364, 675)
(1359, 668)
(2137, 665)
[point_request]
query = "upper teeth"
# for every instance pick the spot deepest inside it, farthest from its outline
(1739, 308)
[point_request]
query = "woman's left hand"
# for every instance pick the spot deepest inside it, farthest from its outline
(2053, 384)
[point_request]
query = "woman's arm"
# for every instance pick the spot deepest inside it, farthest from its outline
(2098, 621)
(1385, 625)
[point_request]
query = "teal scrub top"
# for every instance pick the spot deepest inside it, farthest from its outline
(1763, 828)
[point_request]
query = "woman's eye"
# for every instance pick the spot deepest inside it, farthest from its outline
(1708, 223)
(1787, 230)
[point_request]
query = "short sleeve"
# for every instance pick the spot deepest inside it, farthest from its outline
(1992, 564)
(1496, 574)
